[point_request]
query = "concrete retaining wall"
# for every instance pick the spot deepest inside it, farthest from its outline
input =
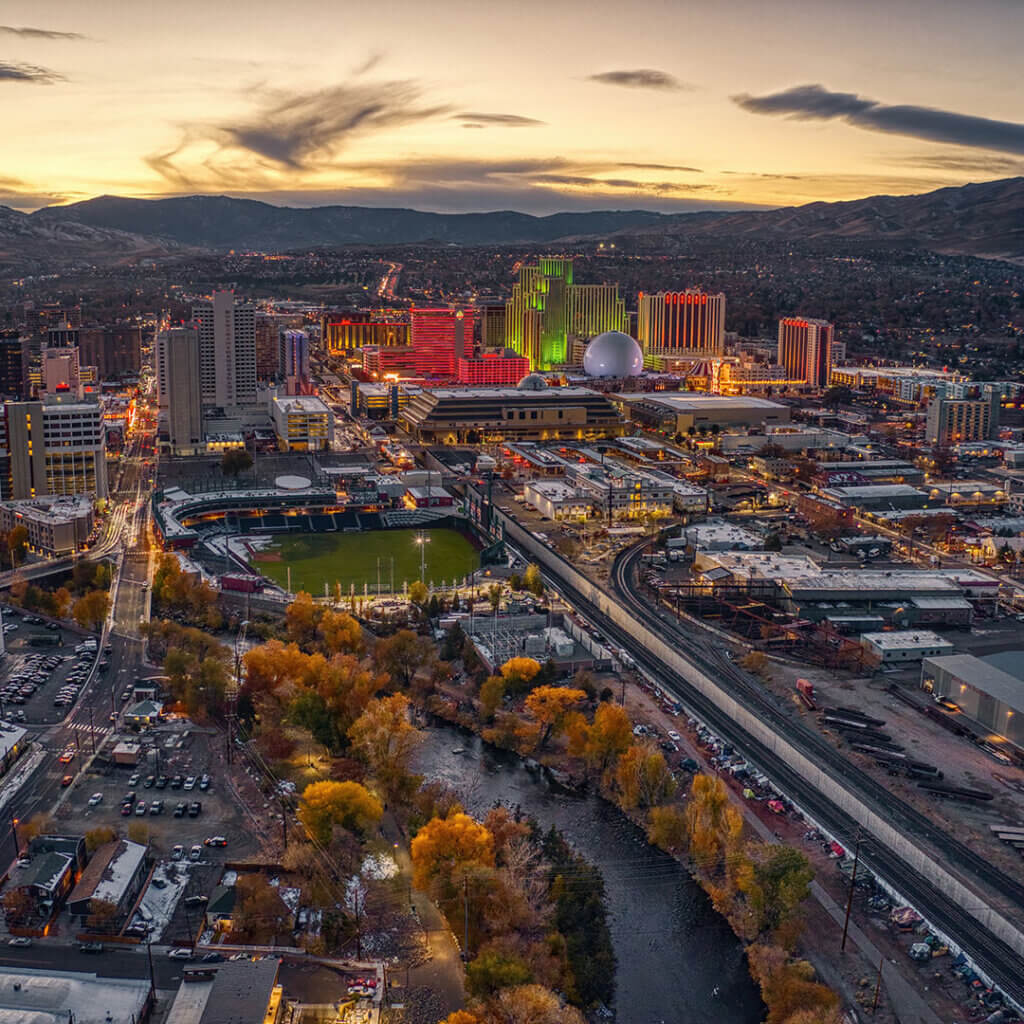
(918, 859)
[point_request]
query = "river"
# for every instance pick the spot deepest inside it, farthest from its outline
(678, 960)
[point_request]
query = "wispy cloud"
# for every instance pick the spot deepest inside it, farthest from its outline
(981, 163)
(816, 103)
(26, 32)
(640, 78)
(473, 119)
(14, 71)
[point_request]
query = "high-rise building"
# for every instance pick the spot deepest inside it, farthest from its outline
(343, 336)
(114, 349)
(805, 349)
(690, 322)
(178, 368)
(62, 336)
(492, 324)
(60, 371)
(54, 447)
(227, 351)
(293, 361)
(267, 330)
(440, 338)
(953, 420)
(547, 306)
(12, 367)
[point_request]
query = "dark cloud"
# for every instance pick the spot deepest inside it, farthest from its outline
(663, 167)
(296, 131)
(472, 119)
(26, 32)
(13, 71)
(957, 163)
(816, 103)
(640, 78)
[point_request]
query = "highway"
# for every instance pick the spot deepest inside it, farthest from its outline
(992, 955)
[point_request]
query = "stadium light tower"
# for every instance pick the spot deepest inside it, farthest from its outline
(423, 540)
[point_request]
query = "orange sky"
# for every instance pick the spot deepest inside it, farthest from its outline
(538, 106)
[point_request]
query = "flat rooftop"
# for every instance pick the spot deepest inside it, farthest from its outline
(906, 640)
(982, 676)
(691, 400)
(30, 996)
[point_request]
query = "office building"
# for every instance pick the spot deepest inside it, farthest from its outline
(395, 361)
(51, 448)
(114, 349)
(805, 349)
(492, 324)
(12, 367)
(227, 351)
(953, 420)
(343, 336)
(293, 361)
(56, 526)
(62, 336)
(60, 372)
(178, 369)
(302, 423)
(440, 338)
(503, 367)
(684, 323)
(547, 306)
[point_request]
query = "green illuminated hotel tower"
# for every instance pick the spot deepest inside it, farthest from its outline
(546, 307)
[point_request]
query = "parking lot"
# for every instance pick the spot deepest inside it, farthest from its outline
(45, 666)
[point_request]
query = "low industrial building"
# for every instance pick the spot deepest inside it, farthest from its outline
(620, 492)
(903, 646)
(242, 992)
(676, 412)
(868, 497)
(47, 996)
(988, 695)
(555, 499)
(718, 535)
(968, 494)
(114, 875)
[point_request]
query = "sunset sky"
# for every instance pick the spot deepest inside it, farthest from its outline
(459, 105)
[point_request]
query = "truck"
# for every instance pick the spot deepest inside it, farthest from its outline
(805, 689)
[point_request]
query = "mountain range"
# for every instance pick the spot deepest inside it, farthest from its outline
(981, 219)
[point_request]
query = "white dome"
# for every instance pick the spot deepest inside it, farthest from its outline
(532, 382)
(613, 354)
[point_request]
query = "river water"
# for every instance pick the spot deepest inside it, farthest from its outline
(678, 960)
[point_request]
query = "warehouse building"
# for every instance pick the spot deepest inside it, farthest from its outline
(903, 646)
(869, 497)
(677, 411)
(988, 695)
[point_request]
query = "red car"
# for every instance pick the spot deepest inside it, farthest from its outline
(67, 780)
(67, 757)
(126, 809)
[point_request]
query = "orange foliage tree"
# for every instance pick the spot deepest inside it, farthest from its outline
(446, 848)
(325, 804)
(385, 739)
(549, 706)
(643, 778)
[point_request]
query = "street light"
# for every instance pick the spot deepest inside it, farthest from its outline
(423, 540)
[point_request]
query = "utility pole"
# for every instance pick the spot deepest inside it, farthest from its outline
(849, 898)
(152, 973)
(14, 832)
(878, 986)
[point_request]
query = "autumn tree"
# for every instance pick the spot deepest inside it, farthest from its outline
(666, 828)
(492, 693)
(18, 905)
(419, 594)
(385, 739)
(445, 848)
(530, 1004)
(494, 596)
(643, 778)
(102, 916)
(605, 740)
(548, 706)
(714, 826)
(99, 836)
(533, 581)
(260, 913)
(339, 633)
(781, 881)
(519, 673)
(788, 986)
(461, 1017)
(301, 618)
(348, 804)
(90, 611)
(492, 970)
(235, 461)
(402, 655)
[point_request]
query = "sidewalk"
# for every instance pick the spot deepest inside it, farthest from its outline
(442, 970)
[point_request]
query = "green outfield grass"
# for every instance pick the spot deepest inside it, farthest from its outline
(347, 558)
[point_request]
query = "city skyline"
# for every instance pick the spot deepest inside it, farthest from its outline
(596, 107)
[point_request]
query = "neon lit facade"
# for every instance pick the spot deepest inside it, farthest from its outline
(440, 338)
(805, 349)
(547, 306)
(691, 322)
(493, 368)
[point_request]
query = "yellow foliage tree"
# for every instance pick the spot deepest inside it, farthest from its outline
(530, 1004)
(340, 633)
(385, 739)
(714, 826)
(461, 1017)
(643, 778)
(548, 706)
(788, 986)
(91, 610)
(605, 740)
(446, 848)
(301, 618)
(325, 804)
(492, 693)
(518, 673)
(666, 828)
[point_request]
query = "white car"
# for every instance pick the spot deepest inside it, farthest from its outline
(95, 799)
(674, 736)
(180, 954)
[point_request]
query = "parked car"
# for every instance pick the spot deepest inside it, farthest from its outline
(95, 799)
(91, 947)
(180, 954)
(190, 782)
(178, 852)
(204, 783)
(133, 779)
(195, 809)
(140, 808)
(149, 782)
(156, 807)
(21, 940)
(180, 809)
(195, 853)
(215, 841)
